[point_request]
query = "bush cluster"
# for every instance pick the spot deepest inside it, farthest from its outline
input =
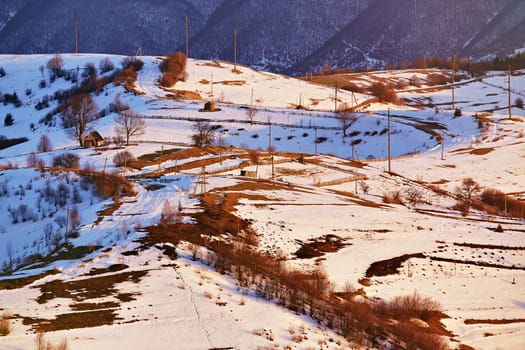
(174, 69)
(383, 92)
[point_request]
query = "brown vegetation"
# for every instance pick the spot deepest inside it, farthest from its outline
(174, 69)
(383, 92)
(507, 205)
(390, 266)
(306, 292)
(5, 324)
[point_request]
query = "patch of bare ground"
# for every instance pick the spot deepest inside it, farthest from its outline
(353, 164)
(216, 156)
(90, 314)
(94, 306)
(111, 269)
(351, 197)
(75, 320)
(477, 263)
(231, 82)
(317, 247)
(390, 266)
(482, 151)
(182, 94)
(471, 321)
(17, 283)
(488, 246)
(440, 182)
(90, 288)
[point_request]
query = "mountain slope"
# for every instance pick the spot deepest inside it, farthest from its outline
(293, 36)
(391, 31)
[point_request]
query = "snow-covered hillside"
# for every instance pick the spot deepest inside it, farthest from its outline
(317, 189)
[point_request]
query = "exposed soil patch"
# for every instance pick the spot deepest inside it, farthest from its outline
(478, 263)
(390, 266)
(231, 82)
(488, 246)
(112, 268)
(475, 321)
(481, 151)
(22, 282)
(317, 247)
(98, 287)
(94, 306)
(74, 320)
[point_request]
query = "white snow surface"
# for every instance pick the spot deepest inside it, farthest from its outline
(184, 304)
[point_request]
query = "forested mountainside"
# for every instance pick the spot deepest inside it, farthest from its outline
(294, 36)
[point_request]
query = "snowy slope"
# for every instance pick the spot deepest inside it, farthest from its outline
(321, 197)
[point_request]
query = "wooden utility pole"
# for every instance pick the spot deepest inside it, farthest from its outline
(510, 97)
(270, 149)
(335, 100)
(453, 82)
(235, 46)
(203, 179)
(389, 159)
(187, 37)
(75, 25)
(315, 141)
(160, 160)
(67, 222)
(443, 146)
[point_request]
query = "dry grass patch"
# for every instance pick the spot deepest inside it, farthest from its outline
(317, 247)
(472, 321)
(231, 82)
(91, 288)
(17, 283)
(482, 151)
(5, 324)
(77, 320)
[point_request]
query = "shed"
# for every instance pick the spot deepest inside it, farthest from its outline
(94, 139)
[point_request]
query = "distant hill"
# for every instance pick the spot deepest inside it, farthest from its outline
(283, 36)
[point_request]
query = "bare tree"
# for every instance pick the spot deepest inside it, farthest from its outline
(80, 110)
(346, 118)
(55, 65)
(204, 134)
(465, 193)
(414, 196)
(250, 113)
(255, 156)
(44, 145)
(129, 124)
(168, 215)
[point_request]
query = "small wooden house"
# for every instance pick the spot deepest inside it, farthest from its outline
(94, 139)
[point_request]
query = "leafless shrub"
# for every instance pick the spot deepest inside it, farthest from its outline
(364, 187)
(105, 65)
(503, 203)
(42, 344)
(413, 196)
(44, 145)
(67, 160)
(204, 134)
(55, 65)
(122, 159)
(415, 305)
(393, 197)
(383, 92)
(465, 194)
(33, 161)
(168, 215)
(174, 69)
(5, 324)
